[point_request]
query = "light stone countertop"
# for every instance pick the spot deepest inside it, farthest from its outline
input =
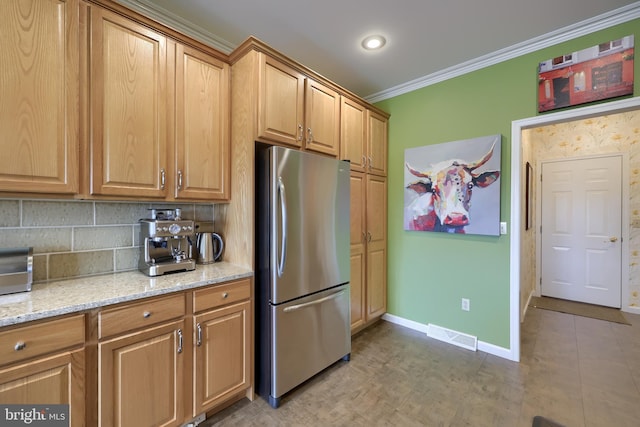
(79, 294)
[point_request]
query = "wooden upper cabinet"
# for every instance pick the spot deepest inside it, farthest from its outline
(39, 111)
(296, 110)
(377, 143)
(128, 107)
(322, 118)
(353, 125)
(281, 102)
(202, 143)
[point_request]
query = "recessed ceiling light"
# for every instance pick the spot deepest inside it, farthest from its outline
(373, 42)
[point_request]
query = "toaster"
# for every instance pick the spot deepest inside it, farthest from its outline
(16, 270)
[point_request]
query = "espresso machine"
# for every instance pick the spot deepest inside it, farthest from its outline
(166, 243)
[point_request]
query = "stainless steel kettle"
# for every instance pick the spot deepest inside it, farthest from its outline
(209, 247)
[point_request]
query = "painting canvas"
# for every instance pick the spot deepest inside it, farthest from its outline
(598, 72)
(454, 187)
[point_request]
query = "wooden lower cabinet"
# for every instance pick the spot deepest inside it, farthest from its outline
(43, 363)
(368, 249)
(221, 355)
(141, 377)
(52, 380)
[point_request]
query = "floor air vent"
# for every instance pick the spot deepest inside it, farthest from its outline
(452, 337)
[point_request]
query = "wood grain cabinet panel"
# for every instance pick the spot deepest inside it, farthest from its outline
(57, 379)
(222, 358)
(353, 127)
(39, 112)
(281, 103)
(377, 143)
(368, 249)
(141, 378)
(128, 107)
(297, 110)
(202, 126)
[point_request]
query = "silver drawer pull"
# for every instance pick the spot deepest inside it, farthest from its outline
(225, 295)
(199, 339)
(180, 342)
(20, 345)
(146, 314)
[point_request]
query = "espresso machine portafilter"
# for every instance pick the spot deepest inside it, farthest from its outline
(166, 243)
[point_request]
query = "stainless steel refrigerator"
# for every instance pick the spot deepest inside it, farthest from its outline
(303, 267)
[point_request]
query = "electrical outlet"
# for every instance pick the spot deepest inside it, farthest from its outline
(503, 228)
(466, 305)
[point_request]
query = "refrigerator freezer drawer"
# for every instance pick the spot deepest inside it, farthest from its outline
(309, 334)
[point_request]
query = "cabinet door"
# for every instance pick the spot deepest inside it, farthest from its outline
(353, 125)
(222, 355)
(57, 379)
(281, 104)
(202, 126)
(377, 145)
(322, 118)
(376, 246)
(141, 378)
(39, 88)
(358, 258)
(128, 107)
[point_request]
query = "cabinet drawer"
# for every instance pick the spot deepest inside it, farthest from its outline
(219, 295)
(142, 314)
(42, 338)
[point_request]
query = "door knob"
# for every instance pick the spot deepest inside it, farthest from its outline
(613, 239)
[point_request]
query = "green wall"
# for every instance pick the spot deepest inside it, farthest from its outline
(429, 273)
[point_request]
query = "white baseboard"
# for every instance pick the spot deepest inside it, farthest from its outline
(495, 350)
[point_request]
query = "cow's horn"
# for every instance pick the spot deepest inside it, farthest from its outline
(482, 161)
(416, 173)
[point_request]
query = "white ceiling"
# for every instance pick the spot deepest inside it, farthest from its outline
(424, 37)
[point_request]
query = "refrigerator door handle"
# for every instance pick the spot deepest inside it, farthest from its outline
(283, 210)
(319, 301)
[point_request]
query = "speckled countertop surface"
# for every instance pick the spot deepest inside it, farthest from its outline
(79, 294)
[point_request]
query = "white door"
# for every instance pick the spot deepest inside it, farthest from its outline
(581, 230)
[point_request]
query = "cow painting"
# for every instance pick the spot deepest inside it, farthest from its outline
(439, 197)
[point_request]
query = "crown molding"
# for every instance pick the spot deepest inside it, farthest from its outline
(163, 16)
(600, 22)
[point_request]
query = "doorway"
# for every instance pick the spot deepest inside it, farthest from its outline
(517, 306)
(581, 228)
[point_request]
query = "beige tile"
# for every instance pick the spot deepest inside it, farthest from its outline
(43, 240)
(204, 212)
(86, 238)
(55, 213)
(9, 213)
(127, 259)
(39, 268)
(73, 264)
(121, 213)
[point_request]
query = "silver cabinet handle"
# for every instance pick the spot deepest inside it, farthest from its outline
(310, 303)
(364, 237)
(300, 132)
(370, 162)
(180, 341)
(179, 180)
(283, 209)
(199, 333)
(163, 178)
(364, 161)
(309, 136)
(20, 345)
(146, 314)
(369, 236)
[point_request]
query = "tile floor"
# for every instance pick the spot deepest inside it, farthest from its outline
(574, 370)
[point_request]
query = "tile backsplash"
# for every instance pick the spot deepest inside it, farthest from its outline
(80, 238)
